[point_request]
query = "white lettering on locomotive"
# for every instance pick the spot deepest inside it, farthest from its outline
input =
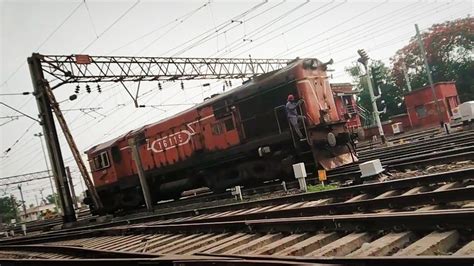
(174, 140)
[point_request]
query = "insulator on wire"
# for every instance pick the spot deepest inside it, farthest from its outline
(182, 85)
(77, 89)
(88, 88)
(99, 89)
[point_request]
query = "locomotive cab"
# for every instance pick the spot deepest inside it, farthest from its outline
(326, 132)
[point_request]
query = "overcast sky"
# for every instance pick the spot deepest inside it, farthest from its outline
(272, 29)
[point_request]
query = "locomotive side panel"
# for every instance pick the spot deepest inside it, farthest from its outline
(172, 141)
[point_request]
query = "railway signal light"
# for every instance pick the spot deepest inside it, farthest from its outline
(77, 89)
(364, 58)
(88, 88)
(377, 79)
(381, 105)
(159, 86)
(182, 85)
(98, 88)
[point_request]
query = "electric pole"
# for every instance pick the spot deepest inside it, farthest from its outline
(15, 207)
(364, 60)
(22, 200)
(428, 73)
(40, 135)
(71, 185)
(405, 74)
(44, 104)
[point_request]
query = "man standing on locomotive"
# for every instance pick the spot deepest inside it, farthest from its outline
(292, 114)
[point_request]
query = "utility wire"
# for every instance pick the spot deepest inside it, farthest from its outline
(273, 22)
(199, 38)
(18, 140)
(18, 111)
(292, 27)
(179, 20)
(44, 42)
(111, 25)
(90, 19)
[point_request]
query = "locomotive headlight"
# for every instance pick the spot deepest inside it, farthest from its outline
(331, 139)
(326, 118)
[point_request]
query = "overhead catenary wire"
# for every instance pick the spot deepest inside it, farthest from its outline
(210, 32)
(18, 140)
(362, 36)
(110, 26)
(271, 23)
(44, 42)
(176, 21)
(90, 19)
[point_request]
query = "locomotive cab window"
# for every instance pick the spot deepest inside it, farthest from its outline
(216, 129)
(229, 124)
(221, 109)
(101, 161)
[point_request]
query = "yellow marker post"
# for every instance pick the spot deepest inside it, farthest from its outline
(322, 176)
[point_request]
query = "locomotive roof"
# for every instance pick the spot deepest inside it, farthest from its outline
(247, 88)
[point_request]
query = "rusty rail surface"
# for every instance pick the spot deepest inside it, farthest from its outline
(392, 222)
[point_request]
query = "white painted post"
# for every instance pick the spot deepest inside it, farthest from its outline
(300, 174)
(284, 186)
(237, 192)
(23, 228)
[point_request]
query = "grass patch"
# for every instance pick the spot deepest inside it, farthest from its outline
(320, 187)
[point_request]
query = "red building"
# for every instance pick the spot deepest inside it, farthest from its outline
(346, 104)
(422, 110)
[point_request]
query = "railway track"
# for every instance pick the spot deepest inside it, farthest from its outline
(393, 221)
(452, 144)
(439, 149)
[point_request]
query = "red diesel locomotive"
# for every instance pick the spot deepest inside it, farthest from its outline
(238, 137)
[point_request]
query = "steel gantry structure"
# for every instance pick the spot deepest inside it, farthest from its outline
(18, 179)
(64, 69)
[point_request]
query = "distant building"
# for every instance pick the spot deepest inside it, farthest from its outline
(421, 108)
(346, 103)
(36, 213)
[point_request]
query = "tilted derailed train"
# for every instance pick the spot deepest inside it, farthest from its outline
(240, 137)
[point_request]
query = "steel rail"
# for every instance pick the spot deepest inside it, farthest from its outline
(434, 197)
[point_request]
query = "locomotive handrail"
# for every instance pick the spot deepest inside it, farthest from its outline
(304, 124)
(276, 116)
(289, 125)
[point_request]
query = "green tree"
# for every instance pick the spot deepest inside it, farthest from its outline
(50, 199)
(8, 208)
(449, 50)
(391, 94)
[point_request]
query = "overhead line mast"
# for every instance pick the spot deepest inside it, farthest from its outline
(94, 69)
